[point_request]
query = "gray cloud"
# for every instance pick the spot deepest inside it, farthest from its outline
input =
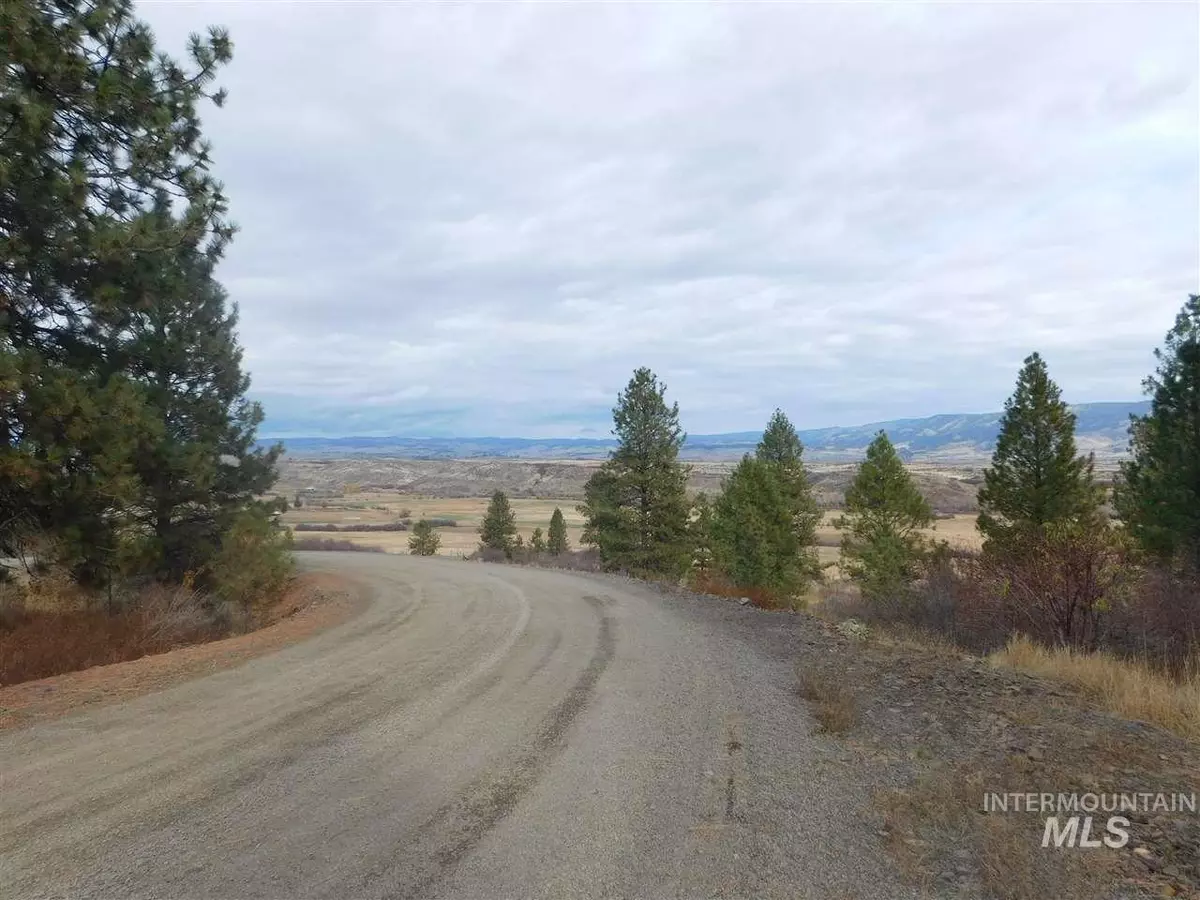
(479, 218)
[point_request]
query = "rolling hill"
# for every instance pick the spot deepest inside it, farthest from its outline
(1102, 428)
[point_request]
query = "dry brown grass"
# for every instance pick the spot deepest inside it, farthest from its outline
(831, 702)
(1126, 687)
(937, 825)
(958, 530)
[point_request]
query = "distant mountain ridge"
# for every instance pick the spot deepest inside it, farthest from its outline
(1101, 428)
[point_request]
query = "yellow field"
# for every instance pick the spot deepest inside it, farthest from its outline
(959, 531)
(457, 541)
(377, 508)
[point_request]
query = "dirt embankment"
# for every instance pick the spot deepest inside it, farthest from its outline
(314, 601)
(935, 730)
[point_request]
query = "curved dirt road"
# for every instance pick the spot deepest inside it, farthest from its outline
(479, 731)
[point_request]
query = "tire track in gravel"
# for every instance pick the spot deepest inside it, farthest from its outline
(460, 825)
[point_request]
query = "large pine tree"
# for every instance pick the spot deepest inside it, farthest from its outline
(764, 521)
(94, 125)
(882, 547)
(753, 535)
(781, 449)
(1036, 479)
(200, 465)
(636, 505)
(1159, 500)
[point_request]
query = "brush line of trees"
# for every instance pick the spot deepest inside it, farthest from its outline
(1048, 533)
(127, 443)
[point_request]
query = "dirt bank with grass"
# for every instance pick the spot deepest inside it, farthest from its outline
(934, 729)
(313, 602)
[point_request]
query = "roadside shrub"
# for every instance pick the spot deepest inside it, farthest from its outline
(12, 605)
(172, 615)
(1075, 588)
(718, 585)
(52, 589)
(437, 522)
(154, 619)
(832, 703)
(254, 562)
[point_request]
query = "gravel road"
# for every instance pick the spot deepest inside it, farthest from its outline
(479, 731)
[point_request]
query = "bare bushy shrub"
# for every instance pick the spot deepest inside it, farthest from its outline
(1159, 621)
(832, 703)
(716, 584)
(52, 589)
(178, 614)
(12, 605)
(1060, 585)
(39, 643)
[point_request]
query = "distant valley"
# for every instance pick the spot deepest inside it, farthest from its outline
(966, 439)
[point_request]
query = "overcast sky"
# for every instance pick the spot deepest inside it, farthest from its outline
(478, 219)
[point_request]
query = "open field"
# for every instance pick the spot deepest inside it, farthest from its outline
(377, 508)
(382, 507)
(959, 531)
(949, 489)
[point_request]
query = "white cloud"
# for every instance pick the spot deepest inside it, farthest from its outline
(479, 218)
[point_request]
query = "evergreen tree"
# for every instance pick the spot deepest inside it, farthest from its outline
(1036, 480)
(1159, 500)
(424, 541)
(94, 124)
(499, 527)
(200, 465)
(883, 547)
(635, 505)
(556, 543)
(608, 519)
(537, 543)
(754, 539)
(780, 448)
(69, 475)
